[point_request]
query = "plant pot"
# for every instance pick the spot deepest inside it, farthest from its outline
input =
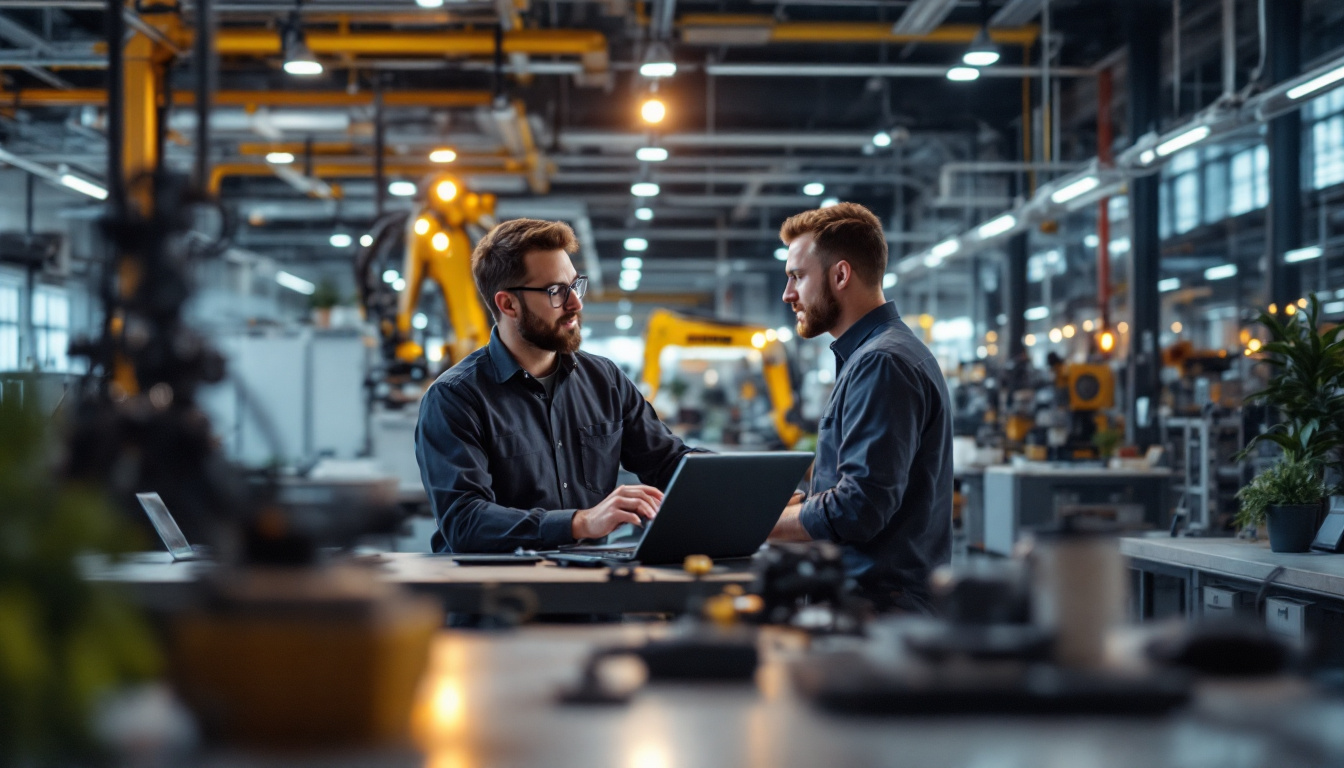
(1292, 527)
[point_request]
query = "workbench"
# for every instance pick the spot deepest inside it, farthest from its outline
(1197, 577)
(154, 580)
(490, 700)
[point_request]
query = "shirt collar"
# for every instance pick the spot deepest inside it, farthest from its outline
(506, 367)
(859, 332)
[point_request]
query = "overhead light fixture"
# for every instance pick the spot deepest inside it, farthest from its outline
(658, 61)
(442, 156)
(341, 240)
(446, 190)
(1303, 254)
(1106, 341)
(1091, 241)
(1220, 272)
(983, 52)
(644, 189)
(429, 3)
(889, 280)
(882, 139)
(1316, 83)
(1121, 245)
(963, 74)
(1037, 313)
(390, 275)
(933, 261)
(653, 110)
(420, 321)
(1177, 143)
(644, 214)
(294, 283)
(997, 226)
(1075, 189)
(632, 262)
(624, 322)
(83, 186)
(422, 225)
(946, 248)
(401, 189)
(651, 154)
(439, 241)
(280, 158)
(828, 202)
(299, 58)
(630, 275)
(399, 284)
(814, 188)
(782, 254)
(636, 244)
(627, 285)
(1167, 285)
(366, 240)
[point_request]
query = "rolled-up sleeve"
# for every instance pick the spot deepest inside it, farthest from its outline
(882, 417)
(456, 473)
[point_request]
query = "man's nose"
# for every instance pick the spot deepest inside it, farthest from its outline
(574, 304)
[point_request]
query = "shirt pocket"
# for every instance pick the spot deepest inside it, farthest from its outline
(600, 454)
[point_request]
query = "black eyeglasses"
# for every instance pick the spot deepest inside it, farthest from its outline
(559, 293)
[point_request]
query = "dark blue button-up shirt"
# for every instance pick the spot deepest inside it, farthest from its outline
(882, 482)
(505, 466)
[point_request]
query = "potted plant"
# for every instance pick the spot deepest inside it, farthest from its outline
(1287, 496)
(324, 297)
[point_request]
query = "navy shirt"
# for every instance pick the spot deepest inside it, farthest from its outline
(505, 466)
(882, 482)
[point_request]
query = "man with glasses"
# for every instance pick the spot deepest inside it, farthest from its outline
(519, 444)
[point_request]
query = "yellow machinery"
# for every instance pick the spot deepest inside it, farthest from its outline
(1091, 386)
(669, 329)
(437, 246)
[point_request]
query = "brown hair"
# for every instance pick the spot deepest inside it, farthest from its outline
(845, 231)
(498, 261)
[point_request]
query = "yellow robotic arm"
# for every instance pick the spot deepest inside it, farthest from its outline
(437, 246)
(668, 329)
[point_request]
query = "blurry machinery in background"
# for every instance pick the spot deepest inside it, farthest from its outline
(1083, 391)
(434, 242)
(669, 329)
(1198, 382)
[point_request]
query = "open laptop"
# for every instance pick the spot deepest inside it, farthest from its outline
(172, 536)
(720, 505)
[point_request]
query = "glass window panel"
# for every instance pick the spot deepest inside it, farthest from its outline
(1242, 197)
(1261, 176)
(1186, 194)
(1215, 192)
(1184, 161)
(58, 311)
(1164, 204)
(39, 308)
(9, 347)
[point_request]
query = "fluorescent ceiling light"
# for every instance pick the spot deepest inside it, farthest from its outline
(946, 248)
(889, 280)
(997, 226)
(420, 321)
(341, 240)
(294, 282)
(1303, 254)
(442, 156)
(1220, 272)
(280, 158)
(644, 214)
(83, 186)
(1168, 285)
(390, 276)
(1316, 83)
(399, 284)
(933, 260)
(828, 202)
(401, 188)
(624, 322)
(366, 240)
(983, 52)
(632, 262)
(882, 139)
(1075, 189)
(429, 3)
(305, 67)
(1121, 245)
(644, 189)
(963, 74)
(814, 188)
(651, 154)
(782, 254)
(658, 62)
(1147, 156)
(636, 244)
(1037, 313)
(629, 285)
(1333, 307)
(1091, 241)
(630, 275)
(1189, 138)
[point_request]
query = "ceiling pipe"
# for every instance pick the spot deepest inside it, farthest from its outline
(880, 70)
(759, 29)
(307, 99)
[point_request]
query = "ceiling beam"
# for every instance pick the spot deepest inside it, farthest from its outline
(923, 16)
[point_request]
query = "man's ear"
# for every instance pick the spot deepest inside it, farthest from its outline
(841, 274)
(507, 304)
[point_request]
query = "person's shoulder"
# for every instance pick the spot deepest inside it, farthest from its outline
(894, 354)
(466, 374)
(598, 365)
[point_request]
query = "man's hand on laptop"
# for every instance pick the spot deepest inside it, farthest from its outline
(626, 504)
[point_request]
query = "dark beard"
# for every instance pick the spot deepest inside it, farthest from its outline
(550, 338)
(820, 317)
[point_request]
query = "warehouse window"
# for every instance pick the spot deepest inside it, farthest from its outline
(1248, 181)
(1185, 192)
(1326, 117)
(51, 328)
(1215, 186)
(9, 326)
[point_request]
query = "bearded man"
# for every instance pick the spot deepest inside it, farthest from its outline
(882, 481)
(519, 444)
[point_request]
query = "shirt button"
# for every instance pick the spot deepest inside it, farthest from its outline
(558, 444)
(564, 485)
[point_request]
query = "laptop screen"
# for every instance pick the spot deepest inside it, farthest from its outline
(164, 523)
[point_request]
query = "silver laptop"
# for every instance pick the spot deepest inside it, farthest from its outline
(172, 536)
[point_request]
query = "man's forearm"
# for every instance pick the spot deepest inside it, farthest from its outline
(789, 527)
